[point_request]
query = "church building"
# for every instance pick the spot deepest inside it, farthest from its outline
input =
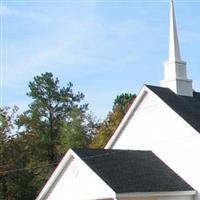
(154, 153)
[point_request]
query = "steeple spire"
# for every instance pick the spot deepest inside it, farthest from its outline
(175, 75)
(174, 50)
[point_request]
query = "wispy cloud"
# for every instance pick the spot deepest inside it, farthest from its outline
(93, 46)
(21, 13)
(75, 45)
(67, 48)
(5, 10)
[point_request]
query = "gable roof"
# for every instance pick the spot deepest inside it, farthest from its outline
(127, 171)
(187, 107)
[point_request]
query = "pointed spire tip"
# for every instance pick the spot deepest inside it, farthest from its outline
(174, 51)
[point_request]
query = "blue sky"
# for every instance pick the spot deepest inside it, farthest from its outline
(104, 48)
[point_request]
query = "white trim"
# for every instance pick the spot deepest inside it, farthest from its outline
(144, 91)
(127, 117)
(151, 194)
(55, 176)
(49, 186)
(92, 171)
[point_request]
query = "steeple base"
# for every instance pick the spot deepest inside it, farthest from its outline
(175, 78)
(179, 86)
(174, 70)
(175, 73)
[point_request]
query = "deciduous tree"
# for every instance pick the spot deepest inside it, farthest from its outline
(112, 121)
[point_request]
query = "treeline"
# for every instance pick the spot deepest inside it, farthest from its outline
(32, 143)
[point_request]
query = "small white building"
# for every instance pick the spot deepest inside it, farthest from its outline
(154, 153)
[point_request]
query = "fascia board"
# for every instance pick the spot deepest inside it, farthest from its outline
(127, 117)
(94, 173)
(154, 194)
(55, 175)
(49, 186)
(133, 108)
(158, 99)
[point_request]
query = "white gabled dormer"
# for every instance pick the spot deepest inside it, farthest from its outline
(175, 73)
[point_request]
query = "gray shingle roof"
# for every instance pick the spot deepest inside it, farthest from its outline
(187, 107)
(128, 171)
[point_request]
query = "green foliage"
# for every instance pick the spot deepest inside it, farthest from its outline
(7, 117)
(31, 144)
(12, 185)
(5, 131)
(55, 121)
(112, 121)
(78, 130)
(123, 102)
(48, 113)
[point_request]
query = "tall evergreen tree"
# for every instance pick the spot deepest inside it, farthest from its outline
(55, 121)
(49, 112)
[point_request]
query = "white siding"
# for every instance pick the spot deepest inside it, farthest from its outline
(154, 126)
(160, 198)
(79, 182)
(152, 123)
(183, 156)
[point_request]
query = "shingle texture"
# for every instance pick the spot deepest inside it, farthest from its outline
(132, 171)
(187, 107)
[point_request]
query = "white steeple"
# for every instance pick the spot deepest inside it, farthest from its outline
(175, 75)
(174, 51)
